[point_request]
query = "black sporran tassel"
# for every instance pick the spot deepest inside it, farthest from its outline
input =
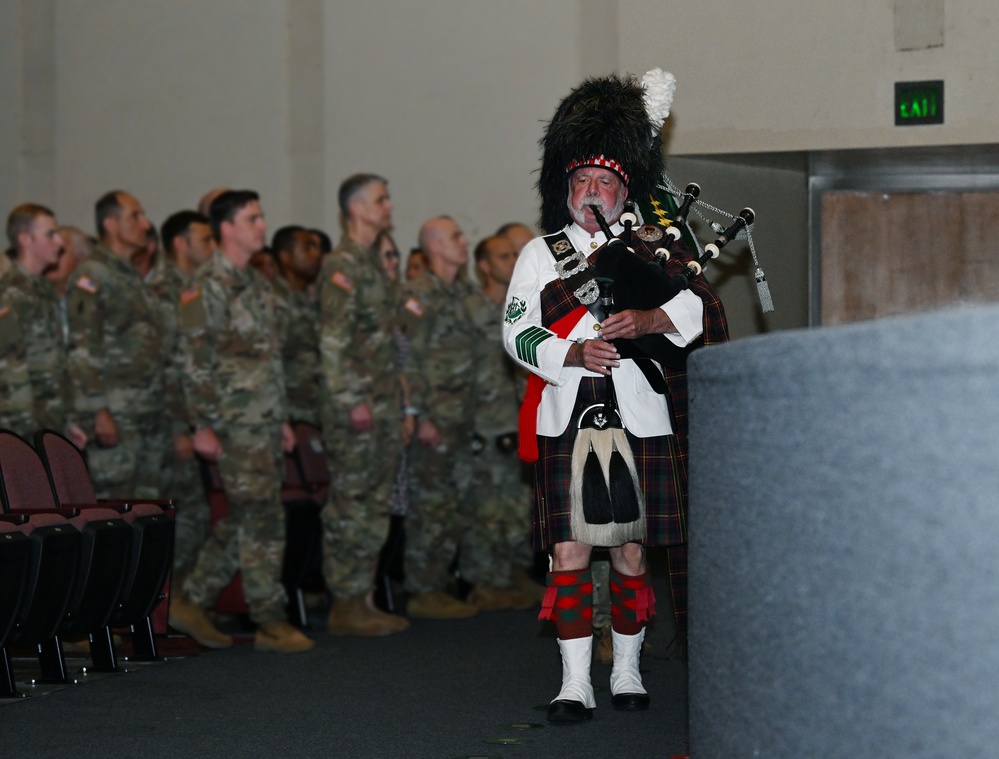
(597, 508)
(624, 497)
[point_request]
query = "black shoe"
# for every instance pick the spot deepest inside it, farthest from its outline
(629, 702)
(568, 711)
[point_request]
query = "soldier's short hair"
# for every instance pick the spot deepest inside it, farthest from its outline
(351, 186)
(325, 243)
(85, 242)
(179, 224)
(107, 206)
(482, 249)
(227, 205)
(501, 232)
(20, 218)
(284, 238)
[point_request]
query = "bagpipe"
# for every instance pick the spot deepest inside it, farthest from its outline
(641, 284)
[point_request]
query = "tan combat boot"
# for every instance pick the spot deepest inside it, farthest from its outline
(488, 598)
(281, 638)
(352, 616)
(518, 600)
(527, 587)
(192, 620)
(439, 605)
(604, 650)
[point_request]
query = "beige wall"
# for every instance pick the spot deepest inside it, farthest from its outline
(793, 75)
(448, 98)
(10, 147)
(169, 99)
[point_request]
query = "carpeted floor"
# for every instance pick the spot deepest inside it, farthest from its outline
(439, 690)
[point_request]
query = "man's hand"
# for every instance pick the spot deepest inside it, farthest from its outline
(183, 447)
(427, 434)
(361, 419)
(105, 429)
(408, 429)
(596, 355)
(207, 445)
(629, 324)
(288, 441)
(76, 435)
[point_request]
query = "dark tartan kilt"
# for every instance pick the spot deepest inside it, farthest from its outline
(662, 479)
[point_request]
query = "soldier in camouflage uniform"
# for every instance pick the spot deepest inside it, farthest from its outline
(234, 389)
(116, 356)
(440, 370)
(187, 243)
(296, 251)
(36, 392)
(77, 247)
(503, 496)
(361, 411)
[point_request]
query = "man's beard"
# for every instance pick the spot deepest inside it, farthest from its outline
(612, 215)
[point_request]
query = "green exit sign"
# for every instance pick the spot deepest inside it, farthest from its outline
(919, 103)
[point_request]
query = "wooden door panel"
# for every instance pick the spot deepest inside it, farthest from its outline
(893, 253)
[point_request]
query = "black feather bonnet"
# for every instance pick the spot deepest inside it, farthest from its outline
(603, 122)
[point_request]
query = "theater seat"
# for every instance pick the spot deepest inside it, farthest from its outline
(15, 554)
(53, 557)
(151, 538)
(104, 546)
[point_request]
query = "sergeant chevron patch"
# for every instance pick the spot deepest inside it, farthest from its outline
(527, 343)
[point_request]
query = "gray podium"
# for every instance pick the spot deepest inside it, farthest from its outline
(844, 541)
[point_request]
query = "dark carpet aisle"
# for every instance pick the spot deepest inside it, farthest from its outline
(438, 691)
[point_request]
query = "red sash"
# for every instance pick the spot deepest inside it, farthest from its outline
(528, 447)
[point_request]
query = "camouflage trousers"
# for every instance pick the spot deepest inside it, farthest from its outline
(363, 471)
(600, 570)
(21, 421)
(502, 506)
(182, 482)
(130, 469)
(440, 512)
(250, 538)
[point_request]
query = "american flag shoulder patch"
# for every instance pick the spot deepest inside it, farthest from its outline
(189, 294)
(527, 343)
(342, 281)
(414, 306)
(86, 284)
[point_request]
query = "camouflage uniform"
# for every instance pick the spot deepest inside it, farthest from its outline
(300, 350)
(181, 480)
(233, 384)
(358, 312)
(503, 496)
(441, 373)
(116, 362)
(34, 389)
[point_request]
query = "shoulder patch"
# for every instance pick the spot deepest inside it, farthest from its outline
(414, 306)
(87, 284)
(190, 294)
(4, 310)
(342, 281)
(191, 312)
(515, 309)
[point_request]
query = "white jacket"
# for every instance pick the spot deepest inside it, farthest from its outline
(644, 412)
